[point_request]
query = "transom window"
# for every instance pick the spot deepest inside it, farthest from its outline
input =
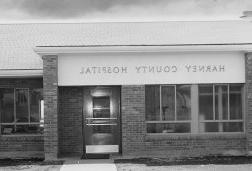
(21, 110)
(194, 108)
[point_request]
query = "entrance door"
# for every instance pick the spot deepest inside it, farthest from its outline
(101, 120)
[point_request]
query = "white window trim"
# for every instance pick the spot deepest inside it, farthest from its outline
(175, 110)
(195, 113)
(224, 120)
(15, 123)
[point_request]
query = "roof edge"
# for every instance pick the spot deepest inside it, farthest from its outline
(56, 50)
(20, 73)
(112, 21)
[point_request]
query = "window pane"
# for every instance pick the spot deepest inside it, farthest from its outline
(7, 129)
(101, 134)
(152, 102)
(101, 113)
(168, 127)
(28, 129)
(221, 127)
(206, 102)
(36, 96)
(21, 129)
(22, 105)
(209, 127)
(183, 97)
(168, 102)
(233, 127)
(101, 107)
(101, 102)
(7, 105)
(235, 101)
(221, 102)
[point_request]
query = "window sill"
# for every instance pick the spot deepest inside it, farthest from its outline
(22, 135)
(176, 136)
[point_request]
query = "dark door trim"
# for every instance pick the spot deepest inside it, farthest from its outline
(84, 120)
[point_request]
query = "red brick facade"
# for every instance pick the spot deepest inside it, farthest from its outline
(50, 89)
(70, 121)
(63, 134)
(249, 102)
(135, 140)
(20, 146)
(133, 119)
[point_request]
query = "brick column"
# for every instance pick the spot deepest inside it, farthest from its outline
(133, 119)
(50, 83)
(249, 102)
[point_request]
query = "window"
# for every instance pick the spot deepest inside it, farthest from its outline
(21, 111)
(220, 108)
(168, 108)
(194, 108)
(101, 107)
(7, 105)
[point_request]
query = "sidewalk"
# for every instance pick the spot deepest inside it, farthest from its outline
(89, 165)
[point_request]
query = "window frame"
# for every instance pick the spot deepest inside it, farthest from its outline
(189, 121)
(15, 123)
(214, 120)
(195, 121)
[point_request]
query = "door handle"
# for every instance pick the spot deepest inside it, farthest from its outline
(101, 118)
(100, 124)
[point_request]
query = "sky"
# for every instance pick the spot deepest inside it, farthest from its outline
(120, 10)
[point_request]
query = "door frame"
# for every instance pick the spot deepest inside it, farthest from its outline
(118, 115)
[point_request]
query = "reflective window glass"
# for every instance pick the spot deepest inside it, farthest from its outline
(183, 102)
(36, 95)
(101, 107)
(168, 127)
(236, 109)
(168, 102)
(7, 105)
(152, 102)
(205, 102)
(21, 111)
(22, 107)
(228, 106)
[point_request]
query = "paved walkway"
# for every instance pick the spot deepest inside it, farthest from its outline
(89, 165)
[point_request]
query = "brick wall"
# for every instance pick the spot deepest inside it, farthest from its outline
(249, 101)
(195, 145)
(21, 146)
(133, 118)
(70, 121)
(50, 89)
(135, 141)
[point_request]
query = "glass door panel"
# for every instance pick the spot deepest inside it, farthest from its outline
(101, 126)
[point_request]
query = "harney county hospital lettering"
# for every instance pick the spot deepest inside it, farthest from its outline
(151, 69)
